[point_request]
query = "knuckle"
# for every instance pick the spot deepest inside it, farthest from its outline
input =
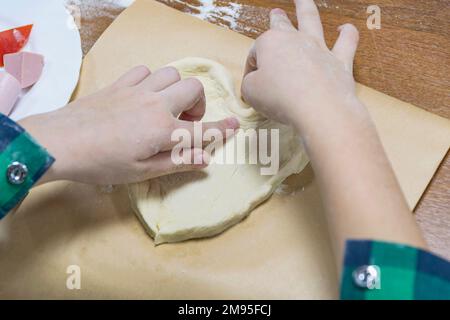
(172, 73)
(142, 68)
(195, 85)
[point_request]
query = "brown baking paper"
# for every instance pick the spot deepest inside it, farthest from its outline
(281, 250)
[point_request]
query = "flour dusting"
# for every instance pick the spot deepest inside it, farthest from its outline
(224, 14)
(94, 16)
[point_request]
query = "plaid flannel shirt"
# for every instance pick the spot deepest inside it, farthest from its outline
(17, 146)
(402, 272)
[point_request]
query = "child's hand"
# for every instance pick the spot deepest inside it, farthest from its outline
(292, 76)
(122, 134)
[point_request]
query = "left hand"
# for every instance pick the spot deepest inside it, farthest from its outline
(122, 134)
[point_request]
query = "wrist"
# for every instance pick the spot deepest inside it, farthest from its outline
(47, 130)
(342, 137)
(331, 117)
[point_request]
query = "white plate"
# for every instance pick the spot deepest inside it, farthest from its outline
(55, 36)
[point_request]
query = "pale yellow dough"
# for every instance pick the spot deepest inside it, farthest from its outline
(202, 204)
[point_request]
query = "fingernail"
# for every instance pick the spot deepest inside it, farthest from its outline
(232, 123)
(278, 11)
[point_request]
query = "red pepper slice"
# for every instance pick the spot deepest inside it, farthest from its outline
(13, 40)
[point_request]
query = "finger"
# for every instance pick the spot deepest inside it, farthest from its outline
(222, 130)
(186, 96)
(251, 63)
(161, 79)
(309, 19)
(196, 113)
(280, 21)
(177, 161)
(346, 44)
(133, 77)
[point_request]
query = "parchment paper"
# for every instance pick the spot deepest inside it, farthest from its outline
(281, 251)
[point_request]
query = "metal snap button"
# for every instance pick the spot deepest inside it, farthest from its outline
(16, 173)
(366, 276)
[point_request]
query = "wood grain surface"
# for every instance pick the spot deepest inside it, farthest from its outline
(408, 58)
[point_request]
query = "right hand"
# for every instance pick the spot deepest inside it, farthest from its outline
(291, 76)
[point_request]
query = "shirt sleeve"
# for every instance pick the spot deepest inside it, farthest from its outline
(22, 162)
(380, 270)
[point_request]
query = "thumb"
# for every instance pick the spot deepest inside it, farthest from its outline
(346, 45)
(165, 163)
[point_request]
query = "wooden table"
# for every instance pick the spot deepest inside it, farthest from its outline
(408, 58)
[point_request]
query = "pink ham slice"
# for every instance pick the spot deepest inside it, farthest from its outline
(9, 92)
(25, 67)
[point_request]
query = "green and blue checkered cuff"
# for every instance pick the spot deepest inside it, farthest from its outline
(22, 162)
(375, 270)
